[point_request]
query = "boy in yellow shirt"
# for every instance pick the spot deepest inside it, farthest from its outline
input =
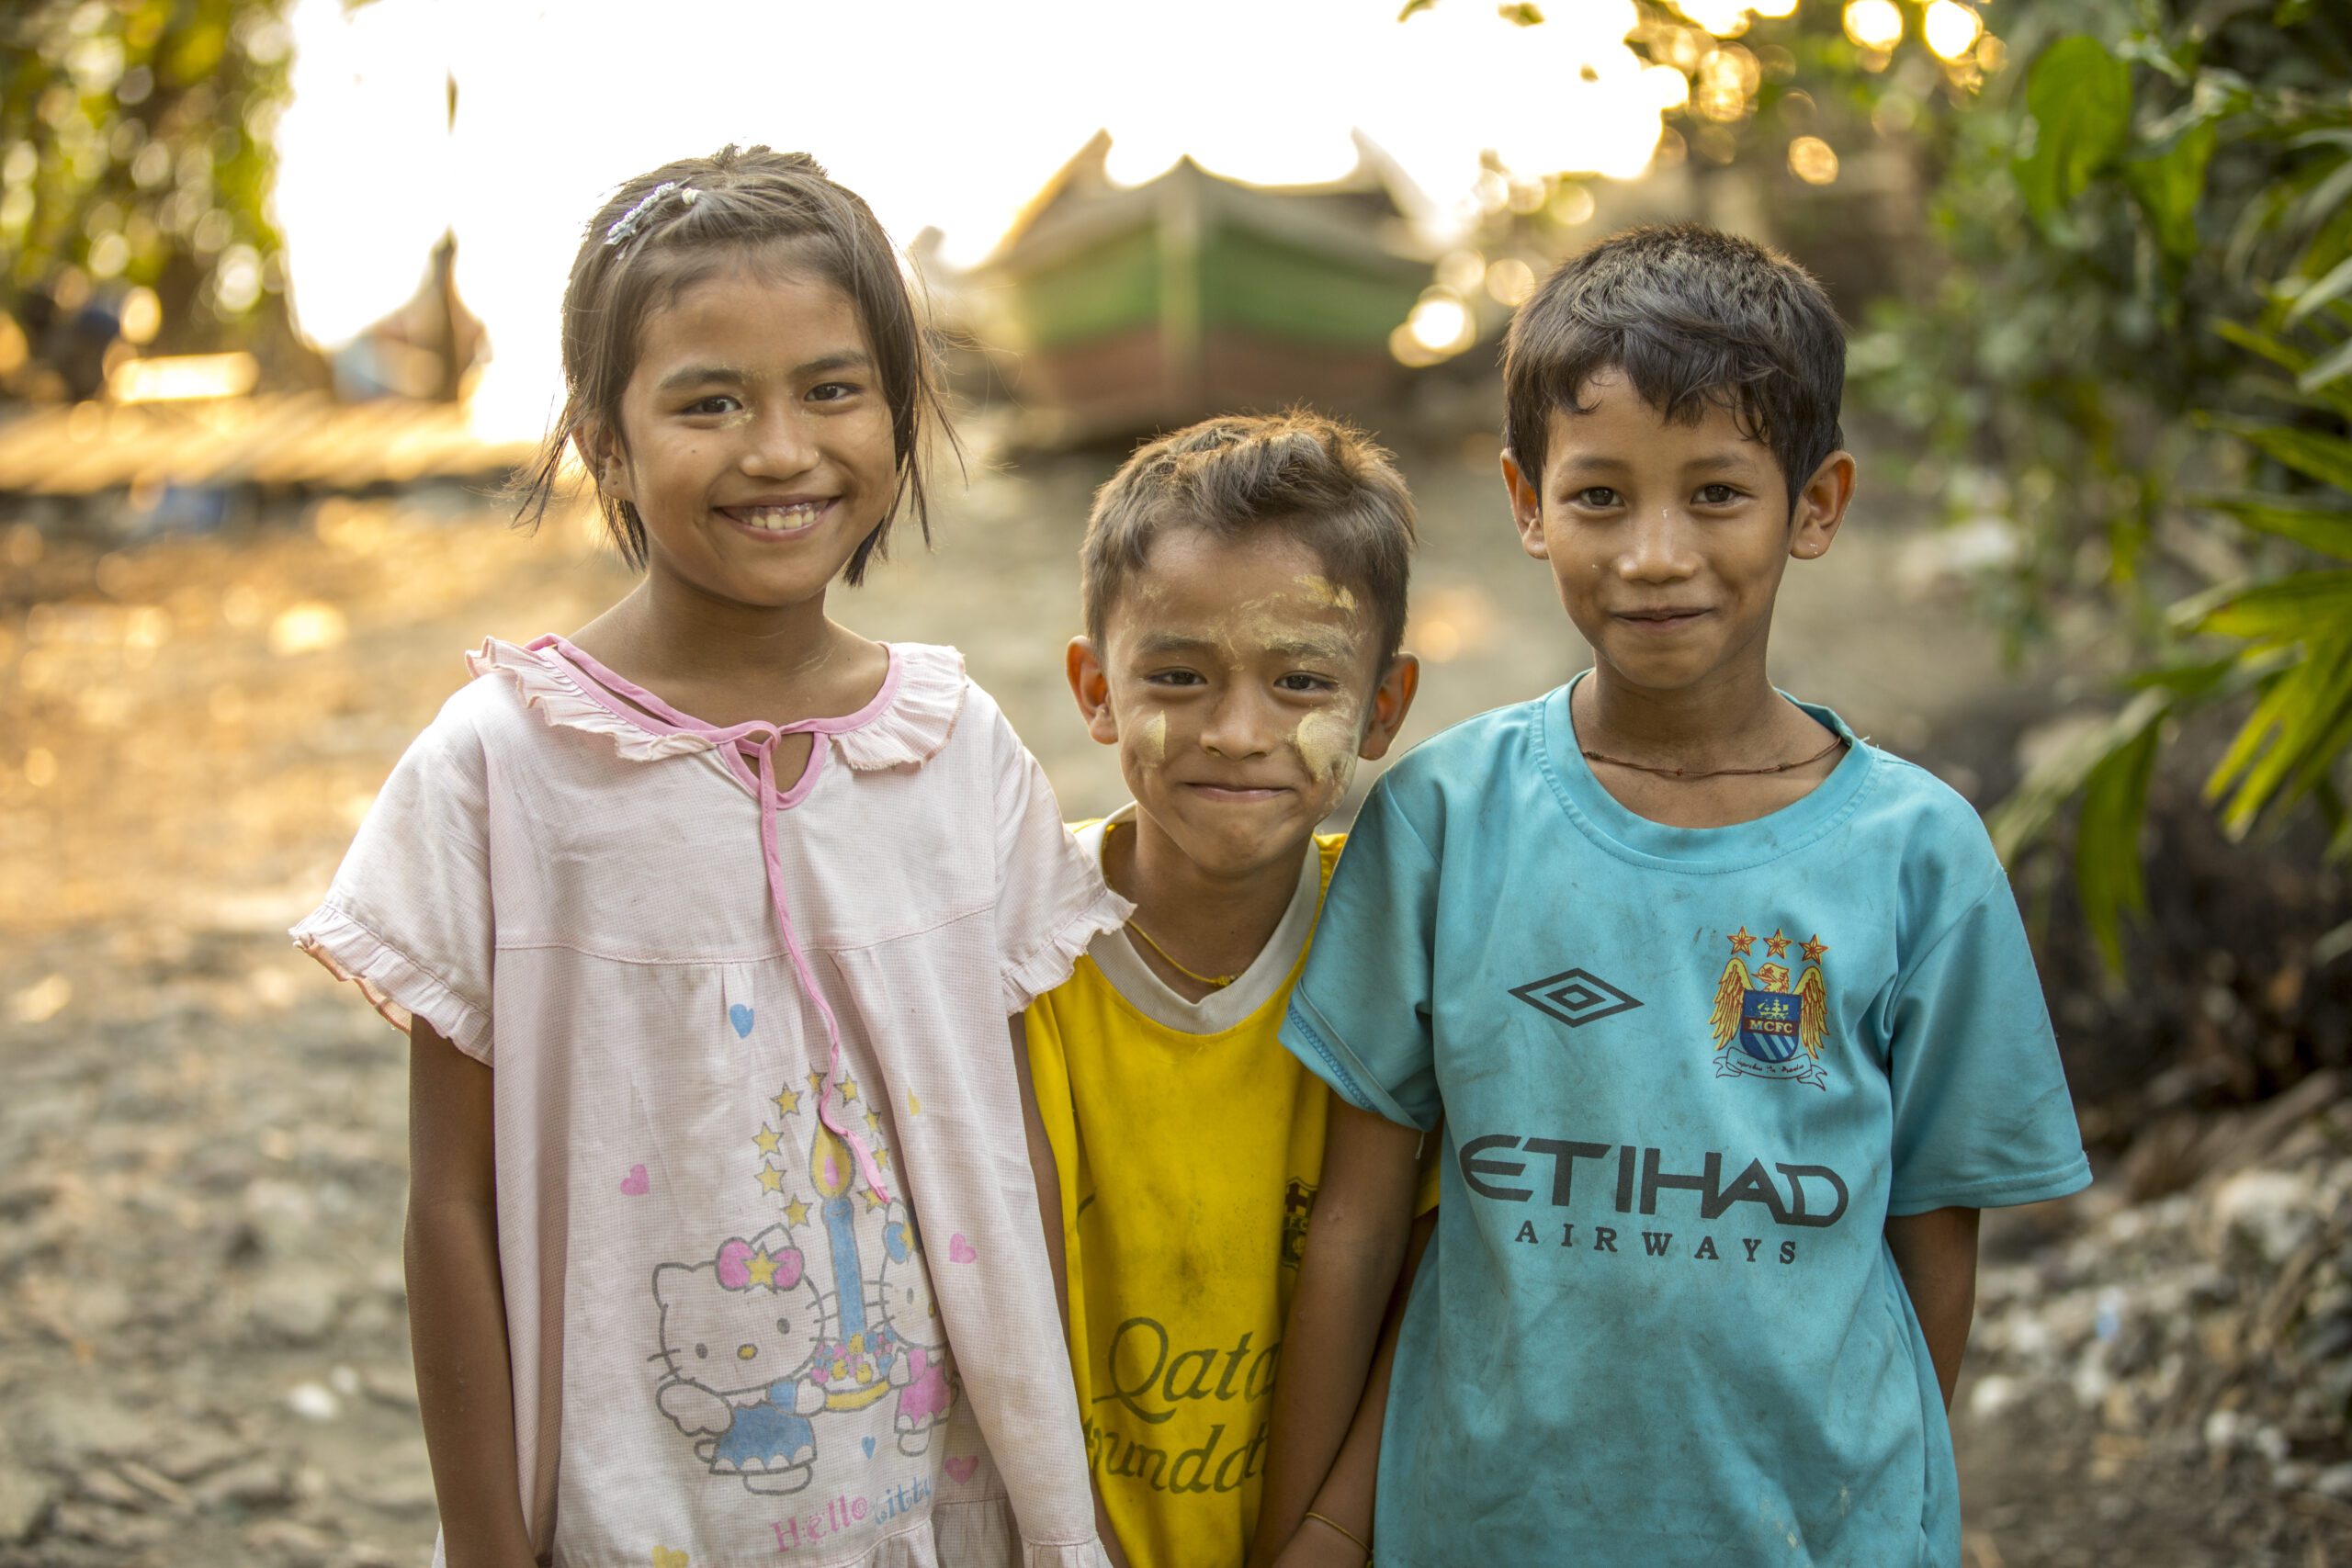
(1245, 588)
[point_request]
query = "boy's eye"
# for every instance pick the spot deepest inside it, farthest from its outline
(1306, 680)
(1717, 495)
(1597, 496)
(1174, 678)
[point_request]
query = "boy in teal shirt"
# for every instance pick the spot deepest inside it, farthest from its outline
(1728, 1015)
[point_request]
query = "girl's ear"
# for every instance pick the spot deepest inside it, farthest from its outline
(600, 453)
(1091, 687)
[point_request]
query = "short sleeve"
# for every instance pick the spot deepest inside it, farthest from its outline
(1051, 898)
(408, 917)
(1982, 1115)
(1359, 1018)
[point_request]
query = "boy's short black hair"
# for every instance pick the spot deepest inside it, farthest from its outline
(1322, 481)
(1692, 316)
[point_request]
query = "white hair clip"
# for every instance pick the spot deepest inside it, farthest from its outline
(626, 225)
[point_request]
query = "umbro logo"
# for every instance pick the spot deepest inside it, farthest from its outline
(1576, 996)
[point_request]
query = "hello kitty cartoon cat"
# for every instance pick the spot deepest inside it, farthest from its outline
(925, 1373)
(739, 1336)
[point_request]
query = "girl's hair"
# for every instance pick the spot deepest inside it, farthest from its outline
(664, 232)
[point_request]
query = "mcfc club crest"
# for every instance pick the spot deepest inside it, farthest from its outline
(1765, 1027)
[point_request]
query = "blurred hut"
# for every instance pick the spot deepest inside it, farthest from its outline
(1114, 311)
(430, 347)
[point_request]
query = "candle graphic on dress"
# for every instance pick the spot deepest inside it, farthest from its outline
(857, 1372)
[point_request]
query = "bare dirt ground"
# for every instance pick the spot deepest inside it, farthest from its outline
(203, 1348)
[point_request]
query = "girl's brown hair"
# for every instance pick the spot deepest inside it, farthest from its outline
(663, 232)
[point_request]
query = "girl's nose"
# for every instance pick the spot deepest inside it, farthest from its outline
(780, 445)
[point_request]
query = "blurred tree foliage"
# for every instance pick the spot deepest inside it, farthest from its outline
(2138, 347)
(135, 165)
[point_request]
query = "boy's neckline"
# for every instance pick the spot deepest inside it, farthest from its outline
(1643, 839)
(1141, 988)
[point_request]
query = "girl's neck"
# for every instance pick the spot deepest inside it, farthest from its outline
(725, 662)
(1214, 923)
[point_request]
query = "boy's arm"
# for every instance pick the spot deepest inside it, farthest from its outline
(1936, 1255)
(1355, 1248)
(1046, 1172)
(1347, 1494)
(465, 1386)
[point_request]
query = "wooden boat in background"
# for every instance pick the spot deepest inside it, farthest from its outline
(1112, 310)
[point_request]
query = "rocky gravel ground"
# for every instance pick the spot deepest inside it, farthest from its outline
(203, 1348)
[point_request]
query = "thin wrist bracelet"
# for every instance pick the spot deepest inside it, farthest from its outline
(1327, 1519)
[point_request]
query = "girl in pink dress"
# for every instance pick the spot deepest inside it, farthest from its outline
(706, 923)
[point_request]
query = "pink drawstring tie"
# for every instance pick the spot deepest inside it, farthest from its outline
(761, 739)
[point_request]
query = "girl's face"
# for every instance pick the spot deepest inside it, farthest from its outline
(755, 437)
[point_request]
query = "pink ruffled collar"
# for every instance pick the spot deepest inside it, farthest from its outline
(904, 725)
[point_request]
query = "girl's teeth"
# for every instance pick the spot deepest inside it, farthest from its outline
(778, 519)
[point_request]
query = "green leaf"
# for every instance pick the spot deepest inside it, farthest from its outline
(2170, 182)
(2286, 355)
(2288, 610)
(2327, 458)
(2314, 525)
(2106, 840)
(2330, 369)
(2058, 778)
(2337, 283)
(2079, 100)
(2303, 722)
(2290, 13)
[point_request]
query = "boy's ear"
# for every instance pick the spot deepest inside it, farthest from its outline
(600, 453)
(1091, 687)
(1391, 701)
(1526, 507)
(1821, 507)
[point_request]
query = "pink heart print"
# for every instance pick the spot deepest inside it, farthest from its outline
(961, 1468)
(634, 1184)
(960, 1251)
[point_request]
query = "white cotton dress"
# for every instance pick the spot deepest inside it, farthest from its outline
(775, 1289)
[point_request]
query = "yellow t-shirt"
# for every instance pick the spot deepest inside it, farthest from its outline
(1191, 1146)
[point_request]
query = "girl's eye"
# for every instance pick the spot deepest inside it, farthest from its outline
(1599, 497)
(832, 391)
(717, 403)
(1717, 495)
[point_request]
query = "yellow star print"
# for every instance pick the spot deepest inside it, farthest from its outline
(873, 1200)
(761, 1268)
(882, 1159)
(765, 1140)
(795, 1213)
(787, 1102)
(874, 1121)
(817, 1084)
(849, 1090)
(770, 1179)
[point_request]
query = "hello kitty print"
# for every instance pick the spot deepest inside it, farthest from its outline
(819, 1333)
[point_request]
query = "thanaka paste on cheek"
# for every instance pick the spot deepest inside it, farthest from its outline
(1326, 743)
(1154, 743)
